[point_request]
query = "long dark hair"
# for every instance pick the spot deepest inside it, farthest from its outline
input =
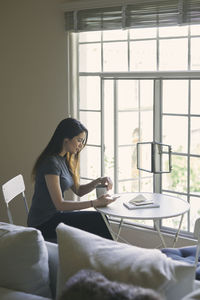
(67, 128)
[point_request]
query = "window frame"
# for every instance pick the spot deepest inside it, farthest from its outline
(158, 77)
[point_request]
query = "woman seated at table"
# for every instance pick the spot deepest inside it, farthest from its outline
(55, 171)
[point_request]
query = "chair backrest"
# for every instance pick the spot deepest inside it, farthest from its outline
(197, 236)
(11, 189)
(197, 228)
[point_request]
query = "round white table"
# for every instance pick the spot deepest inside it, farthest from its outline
(169, 207)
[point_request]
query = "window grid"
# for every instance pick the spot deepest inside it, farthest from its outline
(116, 76)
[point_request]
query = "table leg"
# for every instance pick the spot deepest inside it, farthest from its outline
(114, 235)
(156, 223)
(108, 226)
(177, 233)
(119, 229)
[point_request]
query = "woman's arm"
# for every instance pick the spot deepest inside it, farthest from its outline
(53, 185)
(87, 188)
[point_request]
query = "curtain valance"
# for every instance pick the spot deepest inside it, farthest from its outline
(141, 13)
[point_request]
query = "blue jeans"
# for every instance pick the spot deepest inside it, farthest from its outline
(90, 221)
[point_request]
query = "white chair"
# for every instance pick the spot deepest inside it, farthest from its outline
(12, 189)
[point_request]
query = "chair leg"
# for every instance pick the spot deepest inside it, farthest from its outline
(9, 215)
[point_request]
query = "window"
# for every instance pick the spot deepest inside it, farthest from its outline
(141, 85)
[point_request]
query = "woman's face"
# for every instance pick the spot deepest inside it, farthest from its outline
(76, 144)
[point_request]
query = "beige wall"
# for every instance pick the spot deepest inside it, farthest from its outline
(33, 90)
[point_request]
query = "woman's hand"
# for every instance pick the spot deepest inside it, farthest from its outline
(84, 189)
(104, 200)
(106, 181)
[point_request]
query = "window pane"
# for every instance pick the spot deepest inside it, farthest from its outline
(173, 31)
(146, 107)
(110, 35)
(146, 125)
(127, 94)
(195, 54)
(90, 36)
(128, 128)
(90, 162)
(142, 33)
(115, 57)
(90, 58)
(195, 92)
(195, 29)
(195, 135)
(144, 157)
(146, 182)
(175, 132)
(194, 211)
(165, 158)
(109, 163)
(128, 186)
(143, 56)
(89, 91)
(143, 185)
(173, 54)
(175, 96)
(146, 94)
(177, 179)
(195, 174)
(162, 163)
(127, 163)
(91, 120)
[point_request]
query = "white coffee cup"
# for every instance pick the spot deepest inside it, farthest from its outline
(101, 190)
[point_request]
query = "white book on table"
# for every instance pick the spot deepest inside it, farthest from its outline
(140, 202)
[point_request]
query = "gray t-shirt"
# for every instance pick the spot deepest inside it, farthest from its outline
(42, 207)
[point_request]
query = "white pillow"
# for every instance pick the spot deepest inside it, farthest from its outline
(148, 268)
(23, 260)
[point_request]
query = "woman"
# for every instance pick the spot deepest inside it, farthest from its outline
(55, 171)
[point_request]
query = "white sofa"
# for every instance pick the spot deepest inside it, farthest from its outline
(28, 264)
(33, 269)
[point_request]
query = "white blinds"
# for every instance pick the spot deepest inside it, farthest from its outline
(142, 13)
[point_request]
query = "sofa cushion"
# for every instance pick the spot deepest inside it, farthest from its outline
(186, 254)
(148, 268)
(53, 265)
(7, 294)
(23, 260)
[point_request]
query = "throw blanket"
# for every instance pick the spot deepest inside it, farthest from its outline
(89, 284)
